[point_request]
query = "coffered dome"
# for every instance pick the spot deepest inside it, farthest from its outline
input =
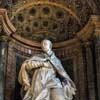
(57, 20)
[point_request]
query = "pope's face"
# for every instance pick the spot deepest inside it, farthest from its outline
(46, 46)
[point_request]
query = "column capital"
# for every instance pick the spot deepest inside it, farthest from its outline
(86, 44)
(96, 22)
(4, 38)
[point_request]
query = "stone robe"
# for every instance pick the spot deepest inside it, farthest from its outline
(38, 79)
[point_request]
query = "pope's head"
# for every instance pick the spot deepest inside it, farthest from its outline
(46, 45)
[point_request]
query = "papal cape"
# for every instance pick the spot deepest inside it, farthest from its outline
(42, 78)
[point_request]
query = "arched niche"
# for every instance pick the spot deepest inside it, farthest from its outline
(70, 52)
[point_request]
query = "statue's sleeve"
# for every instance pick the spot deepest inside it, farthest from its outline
(34, 64)
(23, 76)
(28, 65)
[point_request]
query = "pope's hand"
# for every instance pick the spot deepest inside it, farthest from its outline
(72, 84)
(66, 81)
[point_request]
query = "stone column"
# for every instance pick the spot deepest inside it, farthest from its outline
(96, 37)
(84, 72)
(90, 71)
(87, 72)
(97, 62)
(3, 55)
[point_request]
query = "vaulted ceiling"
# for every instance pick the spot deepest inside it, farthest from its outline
(57, 20)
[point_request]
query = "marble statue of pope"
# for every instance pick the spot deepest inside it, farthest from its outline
(38, 77)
